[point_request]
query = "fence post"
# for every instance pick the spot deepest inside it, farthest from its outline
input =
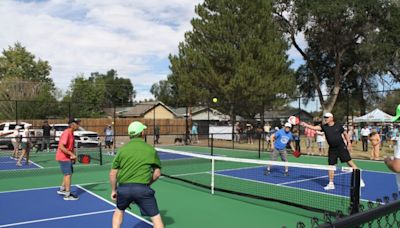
(259, 145)
(114, 126)
(355, 191)
(154, 125)
(101, 154)
(16, 112)
(212, 144)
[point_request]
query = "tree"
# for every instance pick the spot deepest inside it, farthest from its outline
(336, 33)
(86, 97)
(118, 90)
(235, 53)
(163, 91)
(26, 80)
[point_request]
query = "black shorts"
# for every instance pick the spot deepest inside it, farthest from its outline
(109, 143)
(339, 152)
(140, 194)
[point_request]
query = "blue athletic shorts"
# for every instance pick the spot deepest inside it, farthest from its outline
(66, 167)
(140, 194)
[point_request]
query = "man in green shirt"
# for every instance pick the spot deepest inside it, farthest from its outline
(135, 168)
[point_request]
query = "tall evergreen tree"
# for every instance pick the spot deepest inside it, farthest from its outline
(235, 53)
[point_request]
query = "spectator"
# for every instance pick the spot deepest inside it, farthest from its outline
(157, 134)
(109, 140)
(195, 133)
(46, 136)
(364, 137)
(310, 137)
(321, 142)
(375, 142)
(238, 131)
(249, 133)
(296, 138)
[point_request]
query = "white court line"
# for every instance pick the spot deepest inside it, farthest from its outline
(31, 162)
(216, 171)
(309, 179)
(50, 167)
(42, 188)
(56, 218)
(101, 198)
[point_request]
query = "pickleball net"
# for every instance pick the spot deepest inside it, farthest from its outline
(303, 187)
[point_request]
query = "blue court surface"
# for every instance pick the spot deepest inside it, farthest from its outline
(378, 184)
(8, 163)
(170, 156)
(45, 208)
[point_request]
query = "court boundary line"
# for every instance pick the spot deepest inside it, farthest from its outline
(101, 198)
(50, 167)
(42, 188)
(57, 218)
(314, 178)
(209, 172)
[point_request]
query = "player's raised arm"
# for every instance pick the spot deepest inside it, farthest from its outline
(316, 128)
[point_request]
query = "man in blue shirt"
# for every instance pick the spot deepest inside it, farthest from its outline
(280, 140)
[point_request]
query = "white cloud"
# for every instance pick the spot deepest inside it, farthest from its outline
(132, 37)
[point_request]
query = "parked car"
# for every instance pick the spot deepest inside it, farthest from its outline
(83, 138)
(7, 130)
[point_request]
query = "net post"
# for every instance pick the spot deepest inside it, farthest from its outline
(101, 154)
(355, 191)
(212, 144)
(259, 146)
(212, 175)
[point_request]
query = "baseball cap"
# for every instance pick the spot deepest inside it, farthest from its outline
(74, 120)
(397, 114)
(328, 114)
(136, 128)
(288, 125)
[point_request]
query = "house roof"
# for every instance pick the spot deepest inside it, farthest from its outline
(139, 110)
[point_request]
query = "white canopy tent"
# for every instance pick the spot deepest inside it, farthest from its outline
(375, 116)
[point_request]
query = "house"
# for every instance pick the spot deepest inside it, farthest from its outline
(146, 110)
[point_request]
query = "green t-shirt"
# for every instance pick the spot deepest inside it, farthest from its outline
(135, 161)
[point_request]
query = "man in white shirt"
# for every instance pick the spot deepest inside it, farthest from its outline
(364, 137)
(393, 163)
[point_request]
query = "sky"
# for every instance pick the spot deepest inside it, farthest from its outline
(133, 37)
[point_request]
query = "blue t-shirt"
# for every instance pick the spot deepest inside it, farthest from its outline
(194, 130)
(282, 138)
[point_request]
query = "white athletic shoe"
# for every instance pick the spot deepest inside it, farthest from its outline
(362, 183)
(330, 186)
(71, 197)
(62, 192)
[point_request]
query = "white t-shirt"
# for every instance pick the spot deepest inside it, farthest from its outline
(365, 132)
(397, 147)
(15, 136)
(25, 136)
(320, 137)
